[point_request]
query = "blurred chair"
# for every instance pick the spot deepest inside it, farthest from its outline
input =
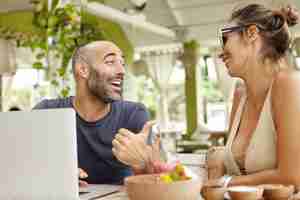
(209, 136)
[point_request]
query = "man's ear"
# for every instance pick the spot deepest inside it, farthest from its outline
(252, 33)
(82, 70)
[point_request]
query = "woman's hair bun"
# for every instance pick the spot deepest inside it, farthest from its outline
(291, 15)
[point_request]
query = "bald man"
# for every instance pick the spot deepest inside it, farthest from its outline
(98, 68)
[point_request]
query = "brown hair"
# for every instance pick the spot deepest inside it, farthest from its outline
(273, 26)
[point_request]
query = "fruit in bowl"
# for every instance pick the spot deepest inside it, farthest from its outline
(177, 174)
(175, 185)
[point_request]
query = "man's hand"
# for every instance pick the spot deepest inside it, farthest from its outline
(82, 175)
(132, 149)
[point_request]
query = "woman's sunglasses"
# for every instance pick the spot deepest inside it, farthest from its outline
(223, 33)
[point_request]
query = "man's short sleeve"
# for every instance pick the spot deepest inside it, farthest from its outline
(41, 105)
(138, 116)
(54, 103)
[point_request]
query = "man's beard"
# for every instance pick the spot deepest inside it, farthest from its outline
(99, 86)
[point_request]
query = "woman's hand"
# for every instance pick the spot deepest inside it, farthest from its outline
(215, 162)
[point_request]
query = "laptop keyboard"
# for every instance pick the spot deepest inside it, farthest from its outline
(92, 192)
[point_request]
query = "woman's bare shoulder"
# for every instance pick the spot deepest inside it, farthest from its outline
(285, 96)
(286, 81)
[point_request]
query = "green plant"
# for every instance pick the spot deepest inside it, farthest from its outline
(67, 32)
(62, 25)
(67, 26)
(56, 34)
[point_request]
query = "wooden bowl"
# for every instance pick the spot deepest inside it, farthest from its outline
(213, 193)
(150, 187)
(245, 192)
(277, 191)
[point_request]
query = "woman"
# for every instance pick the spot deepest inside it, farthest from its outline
(264, 141)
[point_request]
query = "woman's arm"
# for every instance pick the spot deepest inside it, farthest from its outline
(286, 116)
(286, 111)
(264, 177)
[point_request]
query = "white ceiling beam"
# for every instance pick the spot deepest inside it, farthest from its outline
(173, 47)
(174, 13)
(120, 17)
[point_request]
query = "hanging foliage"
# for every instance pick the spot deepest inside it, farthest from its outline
(56, 33)
(65, 32)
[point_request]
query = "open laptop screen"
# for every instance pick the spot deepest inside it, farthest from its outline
(38, 155)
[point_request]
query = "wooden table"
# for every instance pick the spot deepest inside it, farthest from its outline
(123, 196)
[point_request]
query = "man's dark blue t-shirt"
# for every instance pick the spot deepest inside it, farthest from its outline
(94, 139)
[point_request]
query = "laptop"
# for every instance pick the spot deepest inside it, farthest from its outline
(38, 151)
(38, 155)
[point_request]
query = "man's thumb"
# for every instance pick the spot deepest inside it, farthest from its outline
(147, 127)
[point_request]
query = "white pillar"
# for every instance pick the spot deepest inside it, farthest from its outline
(161, 62)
